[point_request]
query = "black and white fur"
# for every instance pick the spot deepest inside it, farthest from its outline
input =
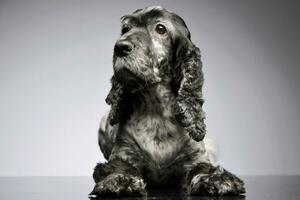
(153, 135)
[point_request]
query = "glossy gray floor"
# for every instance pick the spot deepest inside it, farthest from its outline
(77, 188)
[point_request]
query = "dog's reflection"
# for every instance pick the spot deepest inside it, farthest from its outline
(174, 195)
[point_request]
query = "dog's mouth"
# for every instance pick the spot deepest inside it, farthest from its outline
(128, 79)
(132, 76)
(124, 75)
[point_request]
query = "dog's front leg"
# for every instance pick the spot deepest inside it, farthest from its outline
(117, 178)
(206, 179)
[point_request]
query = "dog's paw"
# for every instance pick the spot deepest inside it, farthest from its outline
(119, 185)
(221, 182)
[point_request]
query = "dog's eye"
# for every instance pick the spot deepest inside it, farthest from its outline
(125, 30)
(161, 29)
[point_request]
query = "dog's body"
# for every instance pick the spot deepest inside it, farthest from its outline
(164, 149)
(154, 131)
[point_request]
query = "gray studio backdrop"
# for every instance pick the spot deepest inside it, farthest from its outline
(55, 66)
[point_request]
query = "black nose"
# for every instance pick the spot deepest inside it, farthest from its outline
(123, 48)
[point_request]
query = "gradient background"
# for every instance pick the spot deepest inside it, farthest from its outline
(55, 66)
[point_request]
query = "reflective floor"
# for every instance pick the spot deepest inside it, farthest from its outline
(77, 188)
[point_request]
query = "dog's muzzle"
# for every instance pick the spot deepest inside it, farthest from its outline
(123, 48)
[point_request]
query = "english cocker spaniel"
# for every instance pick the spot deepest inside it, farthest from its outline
(154, 134)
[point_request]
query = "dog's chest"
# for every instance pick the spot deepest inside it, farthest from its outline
(158, 137)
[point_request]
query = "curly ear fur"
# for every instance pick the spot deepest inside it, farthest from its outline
(189, 76)
(114, 98)
(118, 98)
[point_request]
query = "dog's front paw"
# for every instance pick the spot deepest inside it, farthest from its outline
(119, 185)
(221, 182)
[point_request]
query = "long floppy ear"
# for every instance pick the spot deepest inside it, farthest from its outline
(114, 98)
(189, 78)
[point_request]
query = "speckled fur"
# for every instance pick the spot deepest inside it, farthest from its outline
(153, 134)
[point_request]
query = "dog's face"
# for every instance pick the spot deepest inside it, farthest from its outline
(146, 49)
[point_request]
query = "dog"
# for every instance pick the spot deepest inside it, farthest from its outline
(154, 134)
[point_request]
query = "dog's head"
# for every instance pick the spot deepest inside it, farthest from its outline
(147, 48)
(155, 46)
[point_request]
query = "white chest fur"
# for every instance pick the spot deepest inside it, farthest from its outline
(158, 137)
(153, 127)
